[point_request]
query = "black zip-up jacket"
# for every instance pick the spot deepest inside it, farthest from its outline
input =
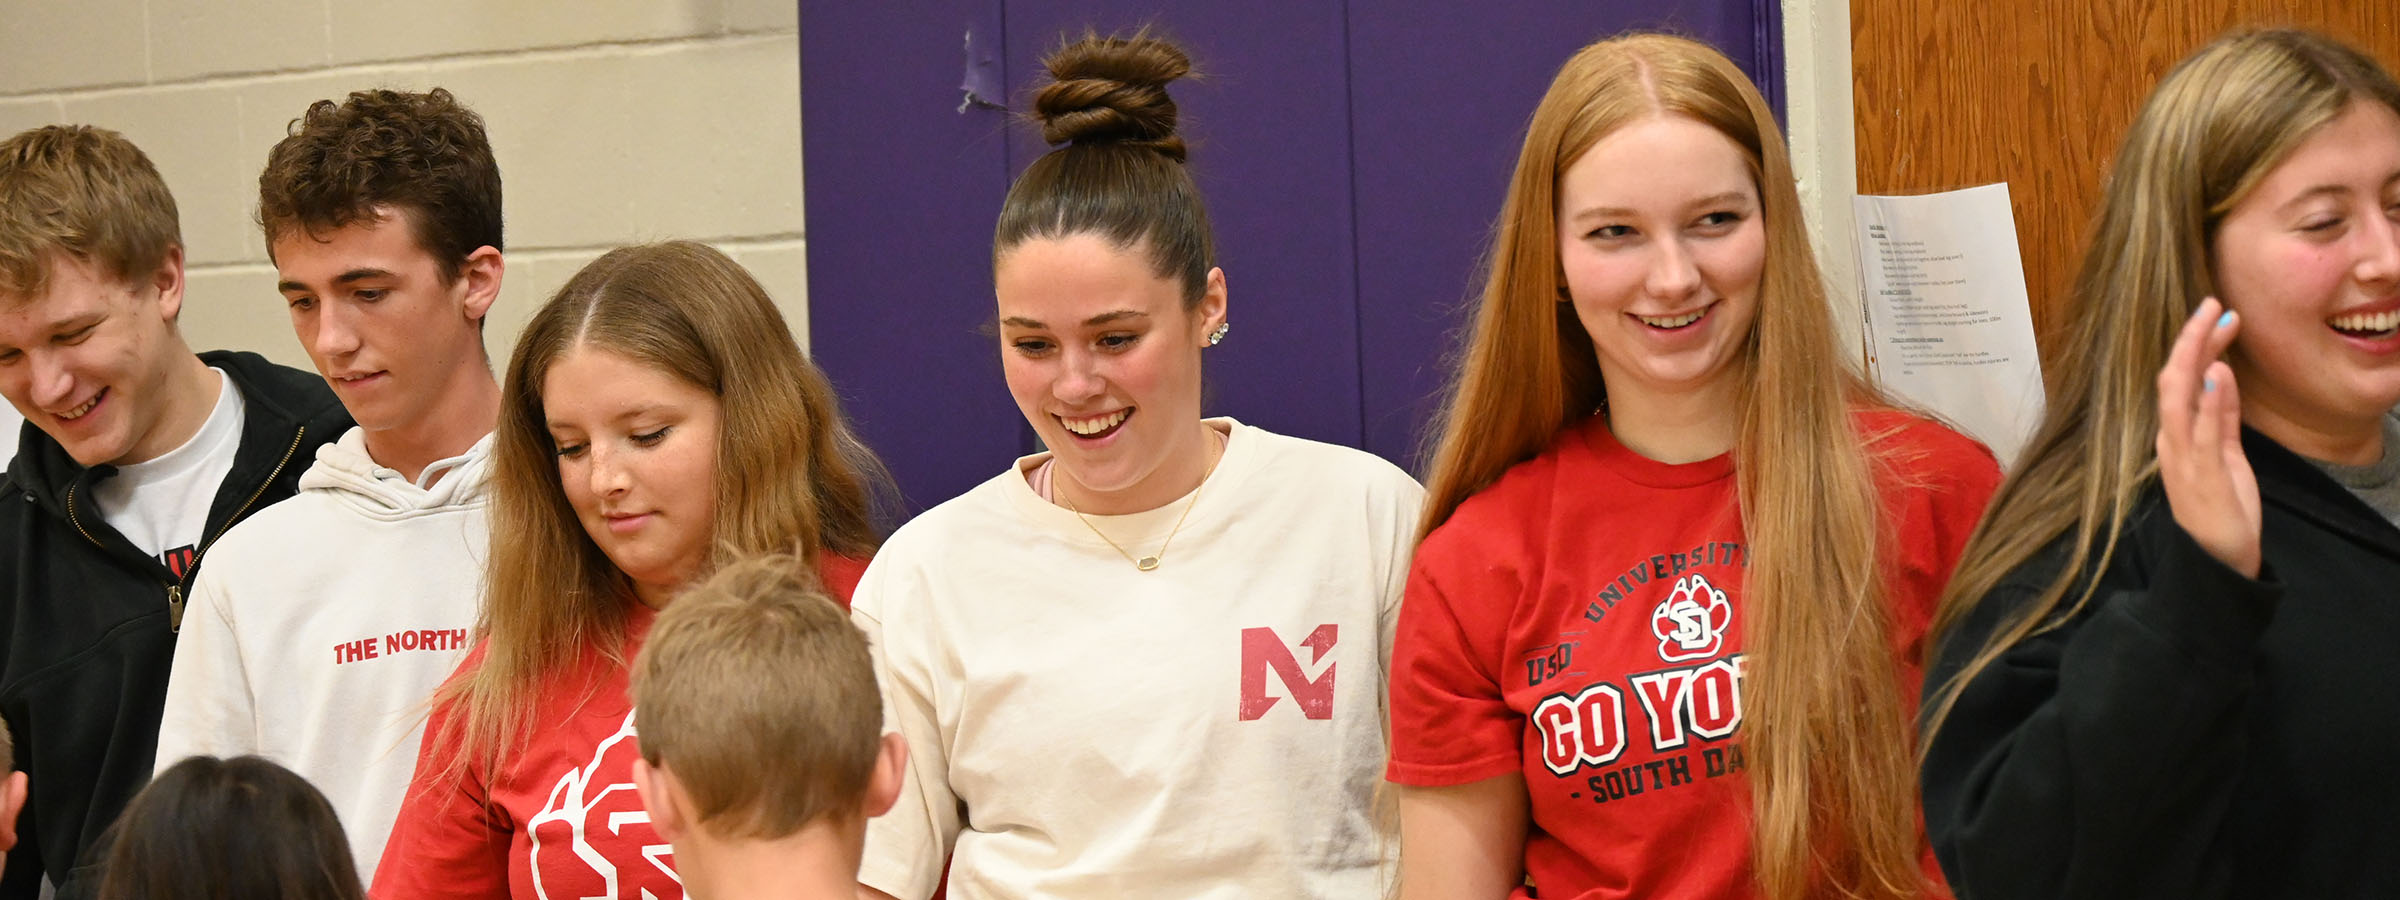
(2191, 734)
(85, 618)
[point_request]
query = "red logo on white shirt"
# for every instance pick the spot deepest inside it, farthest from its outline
(1691, 622)
(597, 800)
(1263, 650)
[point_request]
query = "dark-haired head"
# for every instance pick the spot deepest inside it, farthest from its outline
(1105, 277)
(229, 829)
(1119, 172)
(381, 152)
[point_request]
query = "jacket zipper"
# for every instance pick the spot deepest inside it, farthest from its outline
(175, 589)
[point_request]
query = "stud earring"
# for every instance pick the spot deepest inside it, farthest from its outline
(1218, 336)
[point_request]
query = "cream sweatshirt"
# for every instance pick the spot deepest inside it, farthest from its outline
(321, 626)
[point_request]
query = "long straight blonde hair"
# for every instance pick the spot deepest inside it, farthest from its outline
(1833, 792)
(790, 475)
(2217, 124)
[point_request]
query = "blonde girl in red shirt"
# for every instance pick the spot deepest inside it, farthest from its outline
(1663, 633)
(658, 420)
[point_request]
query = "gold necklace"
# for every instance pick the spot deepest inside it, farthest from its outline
(1150, 562)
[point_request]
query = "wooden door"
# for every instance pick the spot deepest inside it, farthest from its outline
(2037, 93)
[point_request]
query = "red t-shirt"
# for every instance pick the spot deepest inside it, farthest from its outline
(1579, 622)
(561, 820)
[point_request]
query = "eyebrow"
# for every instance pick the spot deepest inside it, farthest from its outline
(1600, 212)
(350, 277)
(1101, 319)
(68, 325)
(2322, 190)
(624, 416)
(2333, 190)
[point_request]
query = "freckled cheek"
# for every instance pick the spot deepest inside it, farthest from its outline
(2311, 273)
(95, 368)
(701, 480)
(1593, 283)
(572, 483)
(1144, 373)
(697, 481)
(1735, 266)
(1028, 384)
(2282, 279)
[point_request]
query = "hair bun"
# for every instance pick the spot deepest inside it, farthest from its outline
(1112, 90)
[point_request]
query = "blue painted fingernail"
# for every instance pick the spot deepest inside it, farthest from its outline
(2208, 385)
(2226, 319)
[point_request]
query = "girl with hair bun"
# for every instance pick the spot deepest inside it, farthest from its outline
(1148, 662)
(2164, 668)
(1662, 636)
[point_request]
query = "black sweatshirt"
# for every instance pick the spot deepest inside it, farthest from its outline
(85, 641)
(2191, 733)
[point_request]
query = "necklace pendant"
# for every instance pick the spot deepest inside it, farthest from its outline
(1147, 563)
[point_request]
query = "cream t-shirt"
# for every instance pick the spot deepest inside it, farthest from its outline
(1078, 728)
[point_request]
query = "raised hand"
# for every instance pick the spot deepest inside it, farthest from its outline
(2209, 485)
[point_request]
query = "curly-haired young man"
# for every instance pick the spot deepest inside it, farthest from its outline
(326, 623)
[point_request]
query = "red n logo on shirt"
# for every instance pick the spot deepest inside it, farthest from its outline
(1262, 650)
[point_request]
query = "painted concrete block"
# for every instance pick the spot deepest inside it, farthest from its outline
(782, 268)
(193, 135)
(48, 46)
(761, 15)
(365, 30)
(194, 38)
(236, 308)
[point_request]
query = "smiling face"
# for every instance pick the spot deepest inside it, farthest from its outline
(1661, 244)
(92, 363)
(637, 451)
(1104, 362)
(402, 348)
(2310, 258)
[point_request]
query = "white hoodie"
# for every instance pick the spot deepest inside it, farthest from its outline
(322, 624)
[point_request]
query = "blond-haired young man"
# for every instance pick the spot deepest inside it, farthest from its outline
(140, 454)
(762, 742)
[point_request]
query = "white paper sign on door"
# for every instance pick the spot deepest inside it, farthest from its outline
(1949, 326)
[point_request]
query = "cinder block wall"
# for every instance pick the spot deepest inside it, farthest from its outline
(614, 121)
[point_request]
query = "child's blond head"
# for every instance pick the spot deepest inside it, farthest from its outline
(758, 696)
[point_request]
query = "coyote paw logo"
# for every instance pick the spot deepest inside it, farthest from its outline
(1691, 623)
(593, 840)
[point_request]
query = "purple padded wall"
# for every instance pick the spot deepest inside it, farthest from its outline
(901, 191)
(1353, 156)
